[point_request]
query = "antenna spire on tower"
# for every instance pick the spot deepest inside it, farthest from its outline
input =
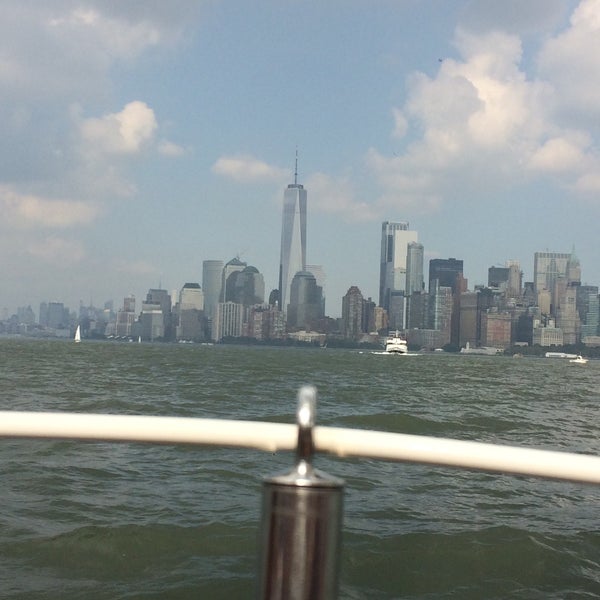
(296, 169)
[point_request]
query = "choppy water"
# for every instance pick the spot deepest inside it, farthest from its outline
(99, 520)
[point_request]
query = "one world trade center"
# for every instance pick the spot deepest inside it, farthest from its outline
(293, 238)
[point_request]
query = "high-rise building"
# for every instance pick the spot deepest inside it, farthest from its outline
(446, 271)
(248, 287)
(414, 285)
(515, 279)
(191, 297)
(353, 325)
(228, 320)
(547, 268)
(414, 268)
(588, 309)
(319, 273)
(395, 238)
(157, 298)
(228, 278)
(293, 238)
(306, 301)
(212, 270)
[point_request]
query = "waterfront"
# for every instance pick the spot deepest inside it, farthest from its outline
(98, 520)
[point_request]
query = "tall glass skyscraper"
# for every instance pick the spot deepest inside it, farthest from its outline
(395, 238)
(212, 271)
(293, 238)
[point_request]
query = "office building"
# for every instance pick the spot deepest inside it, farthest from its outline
(547, 267)
(353, 325)
(227, 320)
(319, 273)
(212, 271)
(228, 278)
(293, 238)
(496, 329)
(306, 300)
(395, 238)
(446, 271)
(588, 308)
(246, 287)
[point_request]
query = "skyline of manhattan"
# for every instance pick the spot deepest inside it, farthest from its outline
(151, 142)
(294, 189)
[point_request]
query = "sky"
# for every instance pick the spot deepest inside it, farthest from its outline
(139, 138)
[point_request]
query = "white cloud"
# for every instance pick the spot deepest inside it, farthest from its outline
(57, 251)
(482, 122)
(571, 61)
(27, 211)
(561, 154)
(247, 169)
(114, 37)
(125, 132)
(336, 196)
(167, 148)
(400, 123)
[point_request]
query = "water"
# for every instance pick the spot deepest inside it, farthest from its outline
(98, 520)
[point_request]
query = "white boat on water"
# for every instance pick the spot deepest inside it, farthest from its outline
(485, 350)
(579, 360)
(396, 344)
(77, 338)
(559, 355)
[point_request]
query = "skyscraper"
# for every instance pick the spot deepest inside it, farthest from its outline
(395, 238)
(212, 271)
(293, 238)
(414, 268)
(447, 272)
(548, 267)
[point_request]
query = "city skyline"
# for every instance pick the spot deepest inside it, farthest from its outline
(137, 144)
(217, 272)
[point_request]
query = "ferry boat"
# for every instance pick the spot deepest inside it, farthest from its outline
(579, 360)
(396, 344)
(486, 350)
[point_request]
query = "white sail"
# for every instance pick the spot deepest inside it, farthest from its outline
(78, 334)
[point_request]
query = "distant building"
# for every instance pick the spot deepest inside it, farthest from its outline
(229, 277)
(353, 314)
(265, 322)
(125, 320)
(441, 305)
(306, 302)
(293, 238)
(448, 272)
(228, 320)
(321, 278)
(247, 287)
(395, 239)
(152, 322)
(212, 272)
(566, 316)
(546, 335)
(496, 329)
(588, 308)
(190, 314)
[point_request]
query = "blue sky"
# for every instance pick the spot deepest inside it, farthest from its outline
(139, 138)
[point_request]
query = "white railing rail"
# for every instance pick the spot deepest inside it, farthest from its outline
(274, 437)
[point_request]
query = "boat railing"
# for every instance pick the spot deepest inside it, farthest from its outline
(302, 509)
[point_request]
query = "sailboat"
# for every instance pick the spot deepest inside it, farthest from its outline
(78, 334)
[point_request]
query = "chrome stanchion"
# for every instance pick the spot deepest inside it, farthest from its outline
(301, 523)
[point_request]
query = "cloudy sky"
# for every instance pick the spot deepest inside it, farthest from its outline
(141, 137)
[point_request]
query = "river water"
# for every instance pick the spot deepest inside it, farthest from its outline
(106, 521)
